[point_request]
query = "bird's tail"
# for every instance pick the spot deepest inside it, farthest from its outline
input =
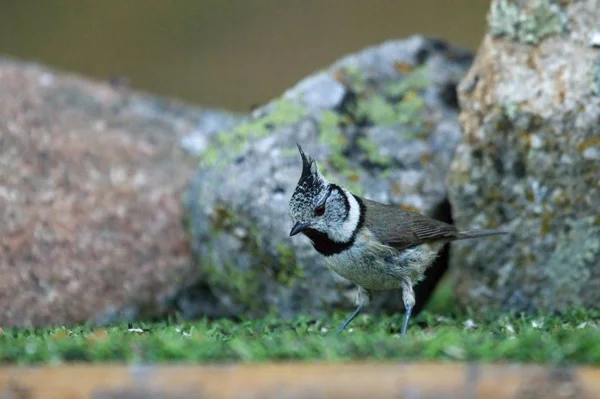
(463, 235)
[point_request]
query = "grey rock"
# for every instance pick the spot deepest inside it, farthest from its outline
(318, 92)
(114, 315)
(382, 122)
(528, 163)
(209, 123)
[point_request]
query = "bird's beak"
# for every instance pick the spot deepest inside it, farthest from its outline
(298, 227)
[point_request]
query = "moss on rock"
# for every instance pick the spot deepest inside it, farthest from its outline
(572, 264)
(526, 23)
(229, 143)
(528, 161)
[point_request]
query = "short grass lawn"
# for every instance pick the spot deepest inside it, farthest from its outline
(570, 338)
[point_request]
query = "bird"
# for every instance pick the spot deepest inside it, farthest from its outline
(375, 246)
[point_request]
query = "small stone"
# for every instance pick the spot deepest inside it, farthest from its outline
(210, 123)
(592, 153)
(564, 158)
(46, 80)
(536, 142)
(318, 92)
(469, 324)
(240, 232)
(194, 143)
(595, 39)
(454, 352)
(100, 126)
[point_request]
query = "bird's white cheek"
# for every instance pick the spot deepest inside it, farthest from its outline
(354, 216)
(345, 231)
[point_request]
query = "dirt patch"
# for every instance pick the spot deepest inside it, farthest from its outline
(302, 380)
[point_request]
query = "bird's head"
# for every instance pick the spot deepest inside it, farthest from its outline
(320, 206)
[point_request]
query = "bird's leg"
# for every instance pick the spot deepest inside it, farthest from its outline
(408, 296)
(362, 300)
(359, 308)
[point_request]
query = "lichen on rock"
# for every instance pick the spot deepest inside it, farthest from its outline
(528, 164)
(526, 22)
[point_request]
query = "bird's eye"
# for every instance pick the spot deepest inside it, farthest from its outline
(320, 210)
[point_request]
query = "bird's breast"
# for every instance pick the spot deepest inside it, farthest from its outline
(366, 263)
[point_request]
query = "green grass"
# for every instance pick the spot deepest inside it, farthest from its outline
(571, 338)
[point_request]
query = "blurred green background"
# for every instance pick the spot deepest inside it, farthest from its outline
(225, 53)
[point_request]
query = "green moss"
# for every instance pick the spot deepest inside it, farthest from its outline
(348, 176)
(410, 109)
(443, 299)
(290, 152)
(289, 269)
(331, 134)
(378, 110)
(353, 78)
(396, 103)
(416, 79)
(568, 339)
(526, 24)
(382, 112)
(222, 218)
(228, 143)
(375, 106)
(244, 284)
(286, 253)
(224, 276)
(285, 112)
(220, 272)
(372, 152)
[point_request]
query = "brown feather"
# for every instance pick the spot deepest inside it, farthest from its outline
(402, 229)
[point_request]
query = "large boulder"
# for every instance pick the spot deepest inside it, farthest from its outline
(529, 161)
(90, 181)
(382, 122)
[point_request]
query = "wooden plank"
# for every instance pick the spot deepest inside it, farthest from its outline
(300, 380)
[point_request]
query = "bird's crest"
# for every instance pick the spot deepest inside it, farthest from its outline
(310, 170)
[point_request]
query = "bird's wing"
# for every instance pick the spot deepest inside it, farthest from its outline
(401, 229)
